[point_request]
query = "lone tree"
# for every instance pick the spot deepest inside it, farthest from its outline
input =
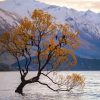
(51, 45)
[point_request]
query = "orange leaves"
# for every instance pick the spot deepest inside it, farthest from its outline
(25, 24)
(75, 80)
(5, 37)
(60, 51)
(36, 13)
(15, 41)
(43, 17)
(64, 29)
(69, 38)
(5, 41)
(21, 34)
(52, 45)
(20, 40)
(42, 21)
(70, 81)
(63, 55)
(40, 33)
(61, 47)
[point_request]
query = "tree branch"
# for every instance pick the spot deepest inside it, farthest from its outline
(29, 61)
(47, 86)
(25, 61)
(56, 90)
(50, 79)
(19, 65)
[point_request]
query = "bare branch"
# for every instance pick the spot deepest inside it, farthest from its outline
(50, 79)
(29, 60)
(19, 66)
(56, 90)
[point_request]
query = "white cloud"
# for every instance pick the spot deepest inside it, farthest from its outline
(2, 0)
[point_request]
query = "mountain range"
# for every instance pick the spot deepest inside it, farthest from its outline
(87, 22)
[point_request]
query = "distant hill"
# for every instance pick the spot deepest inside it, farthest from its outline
(87, 64)
(4, 67)
(83, 64)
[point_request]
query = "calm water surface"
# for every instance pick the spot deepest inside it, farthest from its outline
(10, 80)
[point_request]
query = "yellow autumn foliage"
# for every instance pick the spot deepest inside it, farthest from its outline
(41, 32)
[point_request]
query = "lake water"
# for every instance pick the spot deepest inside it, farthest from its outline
(10, 80)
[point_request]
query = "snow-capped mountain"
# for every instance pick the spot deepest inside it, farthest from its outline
(7, 19)
(87, 22)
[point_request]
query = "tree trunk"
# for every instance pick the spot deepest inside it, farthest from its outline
(19, 89)
(24, 82)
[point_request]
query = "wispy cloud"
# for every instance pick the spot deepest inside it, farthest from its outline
(93, 5)
(2, 0)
